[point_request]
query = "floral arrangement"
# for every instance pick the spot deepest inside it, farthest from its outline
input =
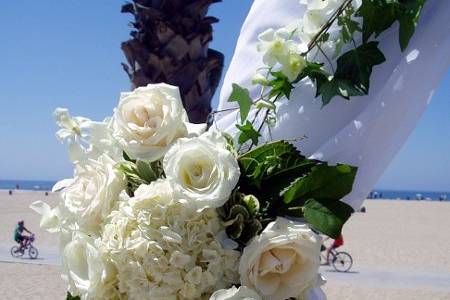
(160, 208)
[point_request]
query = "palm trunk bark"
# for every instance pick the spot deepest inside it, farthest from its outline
(170, 44)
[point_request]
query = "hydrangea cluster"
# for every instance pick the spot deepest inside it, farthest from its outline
(166, 249)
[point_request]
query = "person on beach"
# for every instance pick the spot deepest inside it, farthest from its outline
(18, 236)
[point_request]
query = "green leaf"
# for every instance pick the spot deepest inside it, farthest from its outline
(281, 86)
(323, 182)
(268, 169)
(145, 171)
(379, 15)
(127, 157)
(242, 97)
(70, 297)
(248, 133)
(408, 19)
(314, 71)
(326, 216)
(141, 172)
(352, 76)
(348, 25)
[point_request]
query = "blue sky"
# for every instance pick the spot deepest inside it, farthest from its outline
(67, 53)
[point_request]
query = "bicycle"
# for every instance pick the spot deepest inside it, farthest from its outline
(341, 261)
(19, 251)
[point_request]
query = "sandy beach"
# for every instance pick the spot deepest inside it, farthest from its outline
(401, 250)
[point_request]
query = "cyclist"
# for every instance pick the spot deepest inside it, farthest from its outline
(336, 244)
(18, 236)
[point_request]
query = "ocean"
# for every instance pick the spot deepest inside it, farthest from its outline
(40, 185)
(31, 185)
(409, 195)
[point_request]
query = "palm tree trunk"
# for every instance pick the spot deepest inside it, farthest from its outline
(170, 44)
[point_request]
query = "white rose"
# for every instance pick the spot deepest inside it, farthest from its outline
(148, 120)
(87, 269)
(201, 170)
(282, 262)
(93, 193)
(82, 265)
(234, 293)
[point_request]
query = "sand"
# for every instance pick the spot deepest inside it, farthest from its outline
(401, 250)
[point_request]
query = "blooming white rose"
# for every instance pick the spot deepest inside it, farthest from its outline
(93, 193)
(233, 293)
(201, 170)
(148, 120)
(85, 269)
(282, 262)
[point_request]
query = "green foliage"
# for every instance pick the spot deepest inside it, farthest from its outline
(277, 162)
(379, 15)
(242, 97)
(327, 216)
(323, 182)
(352, 76)
(140, 172)
(348, 25)
(248, 132)
(241, 217)
(70, 297)
(281, 86)
(283, 180)
(230, 145)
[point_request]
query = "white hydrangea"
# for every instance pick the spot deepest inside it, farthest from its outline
(165, 249)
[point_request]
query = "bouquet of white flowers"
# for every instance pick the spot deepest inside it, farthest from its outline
(160, 208)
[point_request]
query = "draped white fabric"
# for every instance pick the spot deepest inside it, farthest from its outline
(366, 131)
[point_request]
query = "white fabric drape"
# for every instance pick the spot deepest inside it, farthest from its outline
(366, 131)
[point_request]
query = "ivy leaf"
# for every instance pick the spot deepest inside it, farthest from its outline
(352, 76)
(326, 216)
(70, 297)
(314, 71)
(323, 182)
(379, 15)
(281, 86)
(242, 97)
(272, 160)
(248, 133)
(408, 20)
